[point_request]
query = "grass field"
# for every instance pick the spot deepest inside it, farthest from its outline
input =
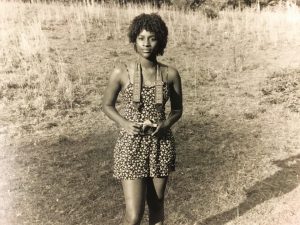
(238, 145)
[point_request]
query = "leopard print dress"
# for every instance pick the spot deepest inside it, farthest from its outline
(139, 156)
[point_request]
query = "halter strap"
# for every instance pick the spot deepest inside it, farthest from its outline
(137, 86)
(158, 86)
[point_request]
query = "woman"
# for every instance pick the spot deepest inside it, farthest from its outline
(144, 154)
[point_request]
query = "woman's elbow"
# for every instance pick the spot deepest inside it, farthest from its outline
(105, 108)
(178, 112)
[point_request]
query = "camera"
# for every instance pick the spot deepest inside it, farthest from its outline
(148, 127)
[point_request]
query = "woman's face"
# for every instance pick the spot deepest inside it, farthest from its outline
(146, 44)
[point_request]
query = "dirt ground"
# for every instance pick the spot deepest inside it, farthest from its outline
(238, 145)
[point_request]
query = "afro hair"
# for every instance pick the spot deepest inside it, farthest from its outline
(152, 23)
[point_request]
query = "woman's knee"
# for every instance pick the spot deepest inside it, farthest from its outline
(155, 193)
(156, 211)
(156, 204)
(133, 217)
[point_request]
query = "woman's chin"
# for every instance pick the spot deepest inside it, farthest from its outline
(147, 55)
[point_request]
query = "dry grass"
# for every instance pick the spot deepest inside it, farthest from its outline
(31, 63)
(283, 88)
(238, 141)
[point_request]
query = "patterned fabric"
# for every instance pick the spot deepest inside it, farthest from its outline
(137, 156)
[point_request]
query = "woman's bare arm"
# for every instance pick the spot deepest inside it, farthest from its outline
(175, 98)
(109, 103)
(110, 96)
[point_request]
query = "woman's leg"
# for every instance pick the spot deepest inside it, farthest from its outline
(155, 199)
(134, 193)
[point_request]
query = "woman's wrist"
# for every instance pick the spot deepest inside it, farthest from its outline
(121, 122)
(173, 118)
(167, 124)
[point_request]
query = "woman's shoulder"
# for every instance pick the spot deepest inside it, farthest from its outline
(170, 71)
(120, 71)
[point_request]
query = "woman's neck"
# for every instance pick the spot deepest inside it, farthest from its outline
(148, 63)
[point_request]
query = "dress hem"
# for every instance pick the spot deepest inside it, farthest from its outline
(171, 170)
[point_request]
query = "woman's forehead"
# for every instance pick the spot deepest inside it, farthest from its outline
(146, 33)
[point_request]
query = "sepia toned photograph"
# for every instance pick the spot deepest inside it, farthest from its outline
(137, 112)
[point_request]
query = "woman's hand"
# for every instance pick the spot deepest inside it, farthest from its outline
(161, 129)
(132, 128)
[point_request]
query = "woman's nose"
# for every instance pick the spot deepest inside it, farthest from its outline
(146, 43)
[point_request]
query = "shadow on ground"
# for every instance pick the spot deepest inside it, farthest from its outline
(68, 182)
(209, 153)
(282, 182)
(71, 182)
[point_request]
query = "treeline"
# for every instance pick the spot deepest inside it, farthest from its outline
(184, 4)
(222, 4)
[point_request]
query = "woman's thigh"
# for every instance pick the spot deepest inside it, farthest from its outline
(135, 194)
